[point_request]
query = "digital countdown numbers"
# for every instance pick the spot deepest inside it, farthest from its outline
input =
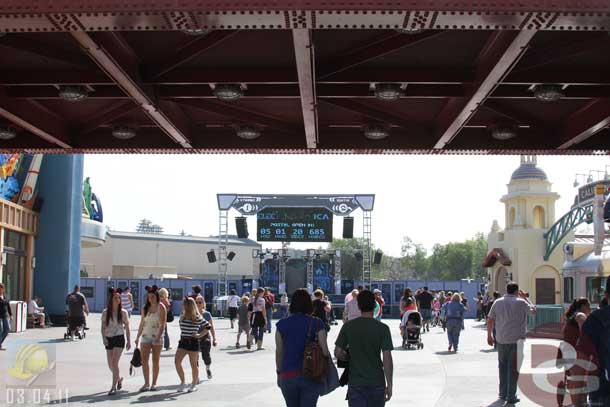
(294, 225)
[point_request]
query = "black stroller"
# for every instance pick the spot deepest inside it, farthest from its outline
(411, 337)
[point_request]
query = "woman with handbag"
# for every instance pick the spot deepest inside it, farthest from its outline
(150, 331)
(301, 355)
(115, 325)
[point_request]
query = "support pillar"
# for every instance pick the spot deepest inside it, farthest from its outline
(1, 254)
(59, 232)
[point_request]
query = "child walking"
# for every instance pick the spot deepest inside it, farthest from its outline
(243, 322)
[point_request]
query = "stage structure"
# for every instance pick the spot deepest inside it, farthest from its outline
(293, 211)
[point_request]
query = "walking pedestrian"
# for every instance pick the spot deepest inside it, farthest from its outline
(208, 339)
(77, 309)
(243, 321)
(454, 316)
(164, 298)
(291, 337)
(192, 328)
(6, 316)
(115, 325)
(424, 304)
(269, 301)
(593, 346)
(352, 311)
(233, 304)
(508, 315)
(381, 302)
(150, 331)
(321, 308)
(370, 377)
(259, 318)
(127, 300)
(284, 305)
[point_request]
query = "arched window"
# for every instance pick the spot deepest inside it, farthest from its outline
(511, 217)
(539, 218)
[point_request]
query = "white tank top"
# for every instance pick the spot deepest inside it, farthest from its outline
(151, 324)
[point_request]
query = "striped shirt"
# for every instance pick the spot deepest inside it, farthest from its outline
(188, 327)
(126, 302)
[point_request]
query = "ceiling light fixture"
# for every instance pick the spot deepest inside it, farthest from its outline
(228, 92)
(388, 91)
(503, 132)
(3, 34)
(123, 133)
(248, 132)
(410, 30)
(376, 132)
(7, 133)
(548, 93)
(195, 31)
(73, 93)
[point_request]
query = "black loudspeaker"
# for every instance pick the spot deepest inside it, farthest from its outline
(242, 227)
(231, 256)
(377, 258)
(358, 256)
(211, 256)
(348, 227)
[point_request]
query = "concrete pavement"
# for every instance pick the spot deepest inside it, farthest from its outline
(428, 377)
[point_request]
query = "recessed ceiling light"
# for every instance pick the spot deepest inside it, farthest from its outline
(3, 34)
(123, 133)
(410, 30)
(228, 92)
(503, 132)
(73, 93)
(388, 91)
(195, 31)
(248, 132)
(548, 93)
(376, 132)
(7, 133)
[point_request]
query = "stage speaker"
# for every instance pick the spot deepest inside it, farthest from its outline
(358, 256)
(242, 227)
(348, 227)
(231, 256)
(211, 256)
(377, 258)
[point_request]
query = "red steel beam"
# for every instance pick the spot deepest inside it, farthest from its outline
(518, 117)
(304, 54)
(501, 52)
(193, 48)
(49, 51)
(115, 58)
(36, 119)
(585, 122)
(137, 6)
(377, 48)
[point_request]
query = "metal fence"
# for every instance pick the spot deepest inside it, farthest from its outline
(547, 317)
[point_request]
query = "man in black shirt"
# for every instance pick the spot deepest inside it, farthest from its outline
(424, 301)
(321, 308)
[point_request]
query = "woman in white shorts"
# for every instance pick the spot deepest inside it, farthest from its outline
(150, 334)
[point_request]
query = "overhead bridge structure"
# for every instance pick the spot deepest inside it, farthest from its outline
(307, 76)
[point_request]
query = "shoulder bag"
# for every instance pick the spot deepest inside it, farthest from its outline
(315, 363)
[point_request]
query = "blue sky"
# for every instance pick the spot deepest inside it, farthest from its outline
(432, 199)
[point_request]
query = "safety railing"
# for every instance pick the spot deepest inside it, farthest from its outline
(547, 320)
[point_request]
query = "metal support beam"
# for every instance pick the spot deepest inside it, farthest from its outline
(305, 54)
(36, 119)
(376, 114)
(192, 49)
(584, 123)
(223, 242)
(46, 50)
(501, 52)
(367, 261)
(107, 116)
(384, 45)
(112, 55)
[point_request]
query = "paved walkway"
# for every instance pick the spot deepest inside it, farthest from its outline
(428, 377)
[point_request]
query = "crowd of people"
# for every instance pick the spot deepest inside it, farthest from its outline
(363, 346)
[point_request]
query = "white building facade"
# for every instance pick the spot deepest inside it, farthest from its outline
(141, 255)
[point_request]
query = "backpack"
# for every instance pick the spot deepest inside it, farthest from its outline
(315, 363)
(136, 361)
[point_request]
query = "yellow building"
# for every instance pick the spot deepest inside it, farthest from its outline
(517, 252)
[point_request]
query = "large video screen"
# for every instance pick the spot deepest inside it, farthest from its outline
(294, 225)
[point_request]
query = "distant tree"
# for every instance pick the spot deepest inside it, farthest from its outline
(146, 226)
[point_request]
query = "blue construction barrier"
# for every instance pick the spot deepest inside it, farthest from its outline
(96, 291)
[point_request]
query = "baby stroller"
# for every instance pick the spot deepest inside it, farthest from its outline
(80, 329)
(411, 337)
